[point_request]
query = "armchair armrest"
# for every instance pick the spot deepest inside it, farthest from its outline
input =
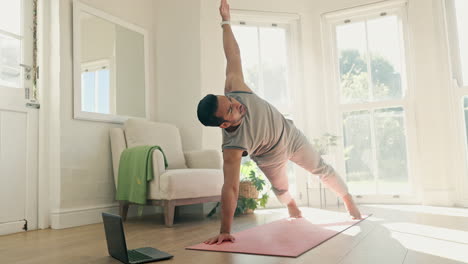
(158, 170)
(203, 159)
(118, 145)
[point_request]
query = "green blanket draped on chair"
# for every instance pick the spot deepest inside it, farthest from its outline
(135, 170)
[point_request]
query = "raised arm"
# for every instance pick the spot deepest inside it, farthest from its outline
(230, 191)
(234, 76)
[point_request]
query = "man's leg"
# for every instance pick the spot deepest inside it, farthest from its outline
(278, 177)
(310, 160)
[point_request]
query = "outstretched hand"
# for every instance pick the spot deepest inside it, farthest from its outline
(220, 238)
(224, 11)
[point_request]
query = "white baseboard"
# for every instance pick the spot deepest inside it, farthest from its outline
(462, 203)
(438, 198)
(11, 227)
(66, 218)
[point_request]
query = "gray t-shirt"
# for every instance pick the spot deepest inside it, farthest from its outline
(264, 133)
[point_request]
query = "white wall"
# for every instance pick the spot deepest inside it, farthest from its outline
(178, 62)
(187, 62)
(83, 184)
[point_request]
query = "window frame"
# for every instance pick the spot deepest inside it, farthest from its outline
(457, 93)
(335, 108)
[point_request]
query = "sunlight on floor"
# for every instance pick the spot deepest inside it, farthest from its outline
(430, 231)
(268, 211)
(442, 242)
(321, 217)
(448, 211)
(352, 231)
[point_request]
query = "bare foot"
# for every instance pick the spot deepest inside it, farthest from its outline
(293, 210)
(351, 207)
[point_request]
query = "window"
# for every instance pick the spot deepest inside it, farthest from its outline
(10, 44)
(370, 60)
(371, 106)
(265, 61)
(266, 51)
(96, 92)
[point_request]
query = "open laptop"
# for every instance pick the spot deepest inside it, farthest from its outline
(117, 246)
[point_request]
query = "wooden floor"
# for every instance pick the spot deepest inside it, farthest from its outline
(394, 234)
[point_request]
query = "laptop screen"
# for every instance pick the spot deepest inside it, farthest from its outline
(115, 236)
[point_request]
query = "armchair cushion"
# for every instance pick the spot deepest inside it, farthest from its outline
(189, 183)
(206, 159)
(142, 132)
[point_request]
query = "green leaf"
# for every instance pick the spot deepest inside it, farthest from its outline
(263, 201)
(250, 203)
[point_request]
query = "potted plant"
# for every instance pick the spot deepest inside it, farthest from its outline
(252, 190)
(251, 186)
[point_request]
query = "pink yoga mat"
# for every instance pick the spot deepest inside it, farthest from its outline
(287, 237)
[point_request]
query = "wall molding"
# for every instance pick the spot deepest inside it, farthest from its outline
(66, 218)
(438, 197)
(12, 227)
(73, 217)
(357, 11)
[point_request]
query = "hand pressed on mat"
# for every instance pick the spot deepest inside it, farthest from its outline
(351, 207)
(220, 238)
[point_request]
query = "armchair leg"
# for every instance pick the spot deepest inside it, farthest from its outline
(123, 210)
(169, 208)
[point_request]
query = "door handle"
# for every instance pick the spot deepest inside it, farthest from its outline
(27, 68)
(33, 105)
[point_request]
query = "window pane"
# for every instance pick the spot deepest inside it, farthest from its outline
(10, 56)
(384, 47)
(10, 16)
(247, 38)
(103, 92)
(391, 151)
(274, 66)
(87, 91)
(351, 43)
(461, 8)
(358, 152)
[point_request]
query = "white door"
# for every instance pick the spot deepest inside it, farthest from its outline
(18, 123)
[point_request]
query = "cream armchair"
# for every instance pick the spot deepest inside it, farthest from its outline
(191, 177)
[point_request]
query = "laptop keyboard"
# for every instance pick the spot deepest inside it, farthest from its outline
(137, 256)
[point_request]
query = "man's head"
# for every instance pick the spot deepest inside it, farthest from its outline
(222, 111)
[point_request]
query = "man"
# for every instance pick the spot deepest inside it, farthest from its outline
(251, 126)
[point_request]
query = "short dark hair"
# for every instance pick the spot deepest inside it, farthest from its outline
(206, 111)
